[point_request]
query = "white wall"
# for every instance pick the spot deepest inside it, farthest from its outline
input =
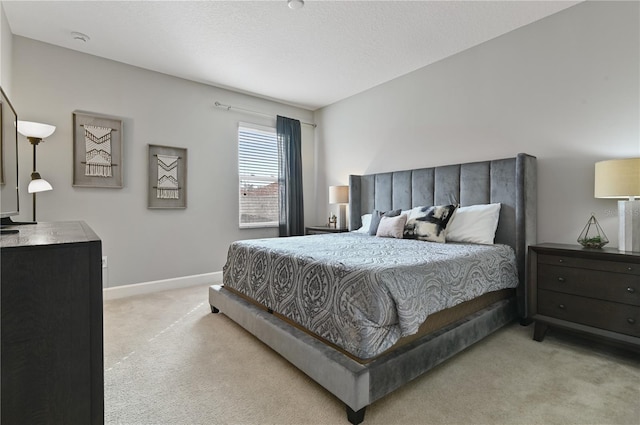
(565, 89)
(143, 245)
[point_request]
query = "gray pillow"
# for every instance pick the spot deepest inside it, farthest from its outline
(377, 215)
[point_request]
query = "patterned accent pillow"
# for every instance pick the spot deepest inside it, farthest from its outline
(375, 219)
(430, 224)
(392, 227)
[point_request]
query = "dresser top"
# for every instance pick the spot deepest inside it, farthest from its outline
(53, 233)
(580, 250)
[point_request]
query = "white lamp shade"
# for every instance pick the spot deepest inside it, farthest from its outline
(617, 178)
(38, 184)
(338, 194)
(35, 129)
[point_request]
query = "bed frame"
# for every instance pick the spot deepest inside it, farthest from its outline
(510, 181)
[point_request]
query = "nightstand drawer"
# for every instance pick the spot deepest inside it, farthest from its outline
(607, 315)
(618, 287)
(590, 264)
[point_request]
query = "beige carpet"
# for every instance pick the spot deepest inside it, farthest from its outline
(168, 360)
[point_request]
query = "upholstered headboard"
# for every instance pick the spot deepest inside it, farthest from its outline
(509, 181)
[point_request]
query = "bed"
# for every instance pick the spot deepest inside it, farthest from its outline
(359, 351)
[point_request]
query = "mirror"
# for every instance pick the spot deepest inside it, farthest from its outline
(9, 196)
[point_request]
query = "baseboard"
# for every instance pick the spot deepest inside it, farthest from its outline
(160, 285)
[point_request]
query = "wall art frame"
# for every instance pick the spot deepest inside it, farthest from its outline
(97, 150)
(167, 186)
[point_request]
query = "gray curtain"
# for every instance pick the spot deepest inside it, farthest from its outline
(291, 221)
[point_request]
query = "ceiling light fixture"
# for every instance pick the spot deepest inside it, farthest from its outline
(295, 4)
(80, 36)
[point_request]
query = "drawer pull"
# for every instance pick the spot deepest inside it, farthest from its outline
(561, 260)
(631, 321)
(562, 279)
(630, 290)
(561, 306)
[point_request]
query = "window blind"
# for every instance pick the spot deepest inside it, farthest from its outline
(257, 176)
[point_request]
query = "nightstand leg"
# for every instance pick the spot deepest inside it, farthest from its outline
(539, 331)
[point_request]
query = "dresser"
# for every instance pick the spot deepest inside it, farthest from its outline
(316, 230)
(591, 291)
(51, 356)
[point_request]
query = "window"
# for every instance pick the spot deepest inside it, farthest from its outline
(258, 176)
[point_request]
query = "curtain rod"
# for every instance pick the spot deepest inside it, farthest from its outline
(229, 107)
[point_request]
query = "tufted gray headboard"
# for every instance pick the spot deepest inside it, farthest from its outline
(509, 181)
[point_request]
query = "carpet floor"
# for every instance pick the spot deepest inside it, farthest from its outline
(168, 360)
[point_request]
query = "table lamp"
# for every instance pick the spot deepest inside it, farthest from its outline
(620, 179)
(340, 195)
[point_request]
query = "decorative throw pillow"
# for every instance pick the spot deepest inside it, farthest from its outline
(366, 223)
(430, 223)
(475, 224)
(392, 227)
(375, 219)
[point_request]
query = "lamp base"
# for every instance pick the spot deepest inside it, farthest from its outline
(629, 230)
(341, 222)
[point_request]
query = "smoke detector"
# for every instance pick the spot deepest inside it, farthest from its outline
(295, 4)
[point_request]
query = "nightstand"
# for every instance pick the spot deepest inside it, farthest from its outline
(591, 291)
(316, 230)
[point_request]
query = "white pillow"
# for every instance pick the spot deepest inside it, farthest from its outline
(475, 224)
(415, 212)
(391, 227)
(366, 223)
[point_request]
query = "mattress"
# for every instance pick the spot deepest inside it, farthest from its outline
(364, 293)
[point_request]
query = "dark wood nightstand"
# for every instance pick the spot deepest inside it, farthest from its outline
(316, 230)
(592, 291)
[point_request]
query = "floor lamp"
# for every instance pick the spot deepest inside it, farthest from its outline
(35, 133)
(620, 179)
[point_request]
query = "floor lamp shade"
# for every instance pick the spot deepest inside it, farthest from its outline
(38, 184)
(35, 130)
(340, 195)
(620, 179)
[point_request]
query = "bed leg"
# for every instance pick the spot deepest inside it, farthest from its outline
(355, 417)
(214, 310)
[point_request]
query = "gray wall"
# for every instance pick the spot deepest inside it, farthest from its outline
(143, 245)
(565, 89)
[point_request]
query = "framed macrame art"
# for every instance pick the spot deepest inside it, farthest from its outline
(97, 150)
(167, 187)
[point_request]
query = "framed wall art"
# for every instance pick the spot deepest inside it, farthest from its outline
(167, 187)
(97, 150)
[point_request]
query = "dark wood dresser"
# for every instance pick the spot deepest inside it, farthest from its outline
(52, 354)
(591, 291)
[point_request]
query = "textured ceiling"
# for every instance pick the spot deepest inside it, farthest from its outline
(309, 57)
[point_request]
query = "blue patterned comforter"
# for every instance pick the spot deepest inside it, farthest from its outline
(363, 292)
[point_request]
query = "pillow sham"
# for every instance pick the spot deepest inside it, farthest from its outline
(474, 224)
(429, 223)
(392, 227)
(366, 223)
(375, 219)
